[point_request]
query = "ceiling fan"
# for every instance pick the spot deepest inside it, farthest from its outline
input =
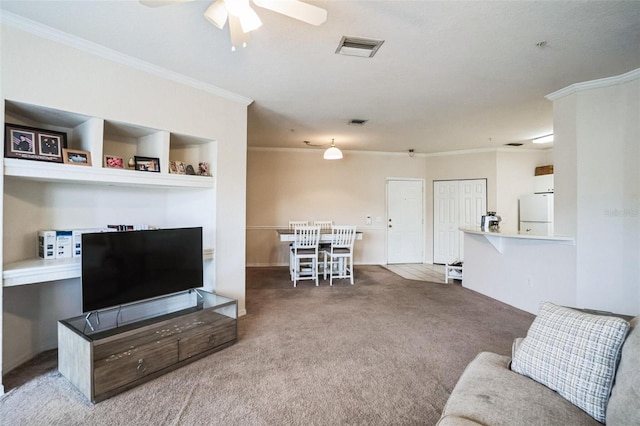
(243, 19)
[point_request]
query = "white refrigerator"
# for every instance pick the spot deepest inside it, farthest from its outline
(536, 214)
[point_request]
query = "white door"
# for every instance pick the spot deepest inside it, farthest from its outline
(456, 204)
(405, 221)
(473, 204)
(446, 240)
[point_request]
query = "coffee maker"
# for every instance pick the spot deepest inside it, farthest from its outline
(490, 222)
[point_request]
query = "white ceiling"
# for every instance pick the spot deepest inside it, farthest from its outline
(451, 75)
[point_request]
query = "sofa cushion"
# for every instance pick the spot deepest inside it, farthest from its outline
(624, 403)
(488, 393)
(573, 353)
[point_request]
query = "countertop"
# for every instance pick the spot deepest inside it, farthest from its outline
(501, 234)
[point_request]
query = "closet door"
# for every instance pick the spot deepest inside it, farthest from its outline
(446, 240)
(473, 204)
(456, 204)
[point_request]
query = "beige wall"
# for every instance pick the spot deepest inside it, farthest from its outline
(298, 184)
(285, 185)
(515, 177)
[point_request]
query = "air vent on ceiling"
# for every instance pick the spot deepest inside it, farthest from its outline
(513, 144)
(355, 46)
(357, 122)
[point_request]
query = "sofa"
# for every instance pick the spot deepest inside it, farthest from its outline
(500, 390)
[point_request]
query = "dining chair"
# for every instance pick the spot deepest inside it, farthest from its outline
(292, 226)
(338, 260)
(305, 254)
(324, 225)
(294, 223)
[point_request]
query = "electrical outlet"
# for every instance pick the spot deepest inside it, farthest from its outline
(530, 282)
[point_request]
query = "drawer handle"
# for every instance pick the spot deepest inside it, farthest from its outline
(142, 368)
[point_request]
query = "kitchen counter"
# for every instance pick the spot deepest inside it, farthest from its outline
(521, 270)
(495, 237)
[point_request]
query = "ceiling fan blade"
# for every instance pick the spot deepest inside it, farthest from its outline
(217, 14)
(295, 9)
(158, 3)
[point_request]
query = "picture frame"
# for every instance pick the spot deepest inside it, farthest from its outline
(113, 162)
(173, 167)
(147, 164)
(76, 157)
(31, 143)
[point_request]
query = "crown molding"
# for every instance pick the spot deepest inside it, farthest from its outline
(595, 84)
(52, 34)
(403, 153)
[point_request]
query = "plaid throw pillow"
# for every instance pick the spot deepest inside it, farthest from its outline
(574, 354)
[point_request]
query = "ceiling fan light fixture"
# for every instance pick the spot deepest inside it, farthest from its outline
(217, 14)
(249, 20)
(332, 153)
(238, 37)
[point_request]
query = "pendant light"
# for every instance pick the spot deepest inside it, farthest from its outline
(333, 153)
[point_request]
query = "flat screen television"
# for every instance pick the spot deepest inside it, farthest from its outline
(123, 267)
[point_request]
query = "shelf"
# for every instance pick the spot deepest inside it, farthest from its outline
(40, 270)
(67, 173)
(33, 271)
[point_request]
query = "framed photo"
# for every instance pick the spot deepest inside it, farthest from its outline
(77, 157)
(30, 143)
(113, 162)
(147, 164)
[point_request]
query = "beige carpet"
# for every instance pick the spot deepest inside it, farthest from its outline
(386, 351)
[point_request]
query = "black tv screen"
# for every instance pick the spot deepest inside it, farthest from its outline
(124, 267)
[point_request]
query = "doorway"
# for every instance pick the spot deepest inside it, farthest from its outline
(405, 221)
(456, 204)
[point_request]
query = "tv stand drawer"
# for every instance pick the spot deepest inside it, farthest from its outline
(121, 368)
(207, 337)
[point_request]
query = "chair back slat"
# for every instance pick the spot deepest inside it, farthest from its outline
(306, 236)
(343, 236)
(294, 223)
(323, 224)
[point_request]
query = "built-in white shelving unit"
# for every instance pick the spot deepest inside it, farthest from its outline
(40, 270)
(47, 195)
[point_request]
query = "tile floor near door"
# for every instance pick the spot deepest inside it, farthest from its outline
(420, 272)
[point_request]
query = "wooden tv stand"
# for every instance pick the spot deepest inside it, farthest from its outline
(115, 350)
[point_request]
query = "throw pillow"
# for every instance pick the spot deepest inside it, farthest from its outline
(574, 354)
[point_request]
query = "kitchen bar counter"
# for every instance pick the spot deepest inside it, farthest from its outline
(496, 238)
(521, 270)
(559, 238)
